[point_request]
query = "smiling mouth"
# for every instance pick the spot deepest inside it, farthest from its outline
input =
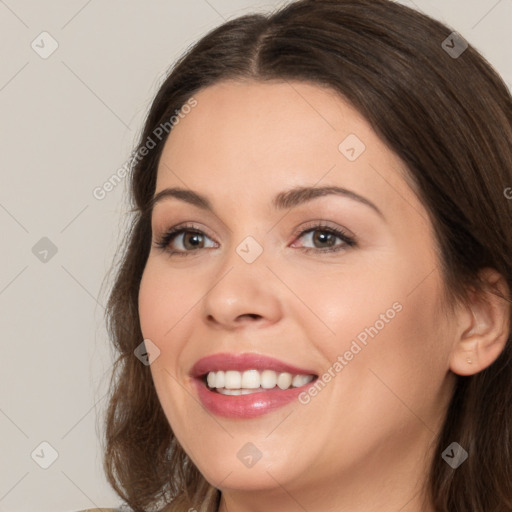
(233, 382)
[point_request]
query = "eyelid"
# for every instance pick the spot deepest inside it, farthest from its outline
(321, 223)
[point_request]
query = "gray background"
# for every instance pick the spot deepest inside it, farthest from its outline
(68, 122)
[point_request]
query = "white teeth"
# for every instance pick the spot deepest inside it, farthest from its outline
(220, 379)
(232, 382)
(284, 381)
(268, 379)
(250, 379)
(300, 380)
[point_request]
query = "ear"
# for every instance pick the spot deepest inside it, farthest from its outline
(484, 326)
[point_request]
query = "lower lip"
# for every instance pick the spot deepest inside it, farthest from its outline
(246, 406)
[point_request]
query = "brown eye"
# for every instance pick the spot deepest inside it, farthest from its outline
(192, 240)
(182, 240)
(324, 238)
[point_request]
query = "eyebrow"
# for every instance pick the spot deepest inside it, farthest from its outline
(283, 200)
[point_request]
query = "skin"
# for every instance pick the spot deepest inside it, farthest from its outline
(364, 442)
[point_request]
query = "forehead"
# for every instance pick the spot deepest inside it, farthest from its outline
(241, 135)
(266, 120)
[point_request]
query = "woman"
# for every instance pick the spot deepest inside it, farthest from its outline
(261, 370)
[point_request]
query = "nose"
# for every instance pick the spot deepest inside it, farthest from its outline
(243, 294)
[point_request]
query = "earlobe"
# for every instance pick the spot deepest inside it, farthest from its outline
(484, 326)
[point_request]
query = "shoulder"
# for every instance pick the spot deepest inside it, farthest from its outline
(100, 510)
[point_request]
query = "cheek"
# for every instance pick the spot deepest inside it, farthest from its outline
(338, 307)
(382, 320)
(394, 362)
(405, 360)
(163, 305)
(163, 301)
(151, 300)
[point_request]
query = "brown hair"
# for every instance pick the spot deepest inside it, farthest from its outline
(448, 118)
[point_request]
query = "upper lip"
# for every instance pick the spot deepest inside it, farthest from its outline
(242, 362)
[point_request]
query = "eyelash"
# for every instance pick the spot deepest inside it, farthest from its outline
(169, 236)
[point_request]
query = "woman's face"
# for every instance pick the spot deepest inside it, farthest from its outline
(362, 320)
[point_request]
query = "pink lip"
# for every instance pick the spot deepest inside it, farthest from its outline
(244, 406)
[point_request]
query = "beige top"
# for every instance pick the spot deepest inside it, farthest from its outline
(100, 510)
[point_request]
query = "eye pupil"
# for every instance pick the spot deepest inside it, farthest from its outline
(192, 236)
(322, 235)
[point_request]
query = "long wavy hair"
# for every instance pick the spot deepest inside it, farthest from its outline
(447, 116)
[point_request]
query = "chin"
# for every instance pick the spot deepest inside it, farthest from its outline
(228, 476)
